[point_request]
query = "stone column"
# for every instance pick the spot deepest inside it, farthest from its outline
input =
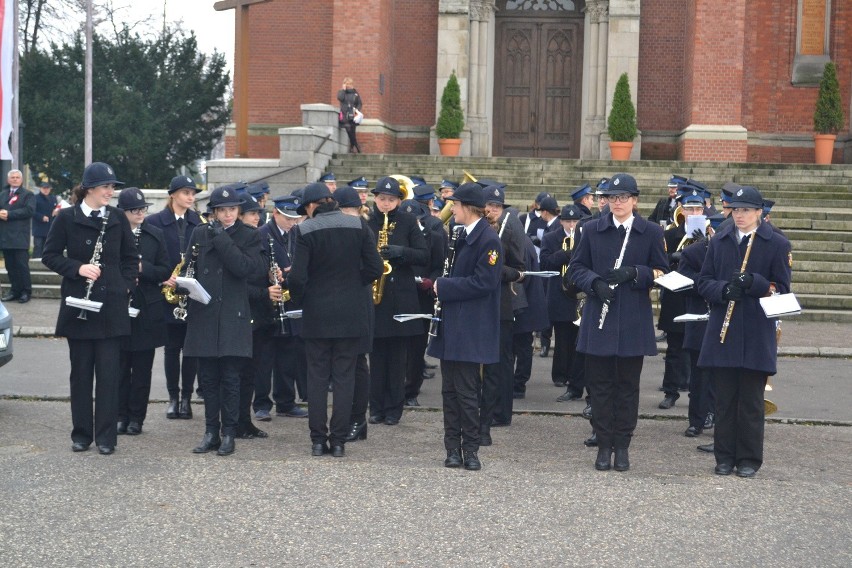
(594, 78)
(481, 13)
(622, 56)
(453, 55)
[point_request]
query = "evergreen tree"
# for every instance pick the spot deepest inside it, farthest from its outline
(451, 118)
(828, 116)
(621, 124)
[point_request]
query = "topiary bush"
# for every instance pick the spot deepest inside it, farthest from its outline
(621, 123)
(451, 118)
(828, 116)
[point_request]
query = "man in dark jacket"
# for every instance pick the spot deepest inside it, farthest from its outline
(335, 259)
(17, 207)
(45, 211)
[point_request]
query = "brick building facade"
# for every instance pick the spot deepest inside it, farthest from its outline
(719, 80)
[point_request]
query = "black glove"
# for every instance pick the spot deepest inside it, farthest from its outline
(560, 257)
(602, 290)
(742, 280)
(215, 228)
(675, 258)
(536, 241)
(730, 293)
(621, 275)
(391, 252)
(698, 236)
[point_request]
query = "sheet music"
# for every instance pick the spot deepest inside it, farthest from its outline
(195, 289)
(542, 273)
(780, 305)
(691, 317)
(408, 317)
(294, 314)
(675, 281)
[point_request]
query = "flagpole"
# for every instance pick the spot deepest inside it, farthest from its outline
(87, 158)
(13, 142)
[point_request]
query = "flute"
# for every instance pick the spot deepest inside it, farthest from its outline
(730, 311)
(448, 268)
(618, 261)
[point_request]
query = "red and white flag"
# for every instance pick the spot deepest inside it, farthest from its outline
(7, 87)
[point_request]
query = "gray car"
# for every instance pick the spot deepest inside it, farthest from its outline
(5, 335)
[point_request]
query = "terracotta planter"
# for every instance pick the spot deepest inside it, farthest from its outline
(620, 150)
(449, 146)
(824, 148)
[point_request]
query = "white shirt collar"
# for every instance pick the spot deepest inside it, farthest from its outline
(469, 228)
(627, 224)
(741, 235)
(88, 210)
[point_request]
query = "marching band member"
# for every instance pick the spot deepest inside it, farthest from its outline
(219, 332)
(148, 328)
(94, 341)
(618, 258)
(335, 259)
(745, 262)
(470, 299)
(177, 221)
(402, 247)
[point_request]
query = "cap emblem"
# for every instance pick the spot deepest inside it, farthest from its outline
(739, 193)
(225, 193)
(252, 198)
(139, 196)
(496, 193)
(387, 185)
(617, 181)
(109, 170)
(188, 180)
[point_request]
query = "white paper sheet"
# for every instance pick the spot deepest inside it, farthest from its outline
(780, 305)
(542, 273)
(196, 290)
(408, 317)
(675, 281)
(692, 317)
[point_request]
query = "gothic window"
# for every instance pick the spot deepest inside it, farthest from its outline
(552, 5)
(813, 24)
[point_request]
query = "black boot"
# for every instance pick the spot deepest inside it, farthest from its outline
(228, 446)
(209, 443)
(471, 461)
(185, 411)
(454, 458)
(172, 408)
(591, 441)
(622, 460)
(604, 461)
(357, 431)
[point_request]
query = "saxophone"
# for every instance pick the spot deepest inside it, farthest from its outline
(169, 292)
(379, 285)
(180, 311)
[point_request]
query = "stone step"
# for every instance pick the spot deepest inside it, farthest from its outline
(831, 258)
(820, 315)
(803, 244)
(814, 235)
(812, 300)
(808, 266)
(841, 286)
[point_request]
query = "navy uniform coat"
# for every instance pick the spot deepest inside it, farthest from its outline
(69, 245)
(534, 318)
(148, 329)
(400, 291)
(690, 266)
(629, 327)
(165, 221)
(44, 206)
(559, 306)
(750, 342)
(513, 265)
(15, 231)
(470, 300)
(336, 258)
(672, 304)
(222, 328)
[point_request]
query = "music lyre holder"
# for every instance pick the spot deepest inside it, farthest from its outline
(84, 304)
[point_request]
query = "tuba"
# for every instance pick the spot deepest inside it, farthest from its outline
(381, 242)
(447, 212)
(406, 185)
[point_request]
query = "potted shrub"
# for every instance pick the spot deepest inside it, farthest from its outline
(828, 116)
(450, 119)
(621, 123)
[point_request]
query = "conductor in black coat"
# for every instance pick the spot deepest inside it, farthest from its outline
(219, 332)
(148, 328)
(94, 342)
(335, 259)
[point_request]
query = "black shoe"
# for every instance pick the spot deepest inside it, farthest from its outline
(545, 351)
(622, 460)
(560, 384)
(604, 459)
(106, 450)
(134, 429)
(723, 469)
(500, 424)
(485, 439)
(227, 447)
(251, 434)
(591, 441)
(710, 421)
(471, 461)
(668, 402)
(454, 458)
(209, 443)
(692, 432)
(391, 421)
(412, 402)
(569, 396)
(519, 395)
(429, 365)
(337, 451)
(661, 337)
(587, 412)
(746, 471)
(709, 448)
(79, 447)
(23, 299)
(9, 296)
(357, 431)
(185, 410)
(172, 409)
(376, 419)
(199, 394)
(319, 450)
(121, 427)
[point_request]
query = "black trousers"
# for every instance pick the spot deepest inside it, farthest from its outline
(738, 435)
(92, 358)
(350, 127)
(180, 379)
(701, 400)
(460, 392)
(18, 268)
(614, 386)
(38, 246)
(220, 381)
(415, 364)
(134, 389)
(387, 376)
(577, 382)
(277, 367)
(495, 398)
(331, 361)
(522, 349)
(361, 394)
(564, 347)
(301, 375)
(676, 374)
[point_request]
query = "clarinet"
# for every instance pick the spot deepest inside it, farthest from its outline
(605, 308)
(280, 315)
(448, 268)
(96, 260)
(137, 236)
